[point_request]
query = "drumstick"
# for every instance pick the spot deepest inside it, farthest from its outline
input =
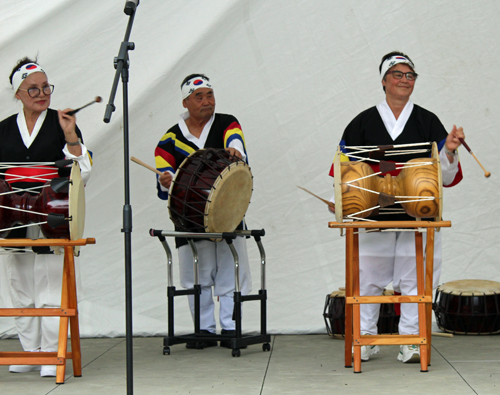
(140, 162)
(486, 173)
(442, 334)
(96, 100)
(317, 197)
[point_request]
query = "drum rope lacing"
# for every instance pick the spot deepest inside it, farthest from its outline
(192, 193)
(355, 150)
(22, 210)
(13, 178)
(193, 174)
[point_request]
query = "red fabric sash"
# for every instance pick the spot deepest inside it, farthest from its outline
(27, 174)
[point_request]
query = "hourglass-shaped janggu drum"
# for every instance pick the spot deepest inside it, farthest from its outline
(59, 207)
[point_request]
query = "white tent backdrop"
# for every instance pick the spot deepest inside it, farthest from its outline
(294, 73)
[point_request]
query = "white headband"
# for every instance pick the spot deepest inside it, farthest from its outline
(193, 84)
(393, 60)
(22, 72)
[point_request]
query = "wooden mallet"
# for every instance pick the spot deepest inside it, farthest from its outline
(140, 162)
(98, 99)
(486, 173)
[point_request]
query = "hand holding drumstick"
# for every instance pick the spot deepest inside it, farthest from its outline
(486, 173)
(165, 178)
(457, 138)
(453, 141)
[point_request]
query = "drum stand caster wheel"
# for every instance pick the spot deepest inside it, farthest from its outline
(236, 353)
(266, 347)
(166, 350)
(200, 345)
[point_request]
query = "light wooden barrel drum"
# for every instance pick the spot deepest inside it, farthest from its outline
(410, 187)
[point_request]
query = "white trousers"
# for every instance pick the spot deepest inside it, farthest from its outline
(35, 282)
(386, 257)
(216, 269)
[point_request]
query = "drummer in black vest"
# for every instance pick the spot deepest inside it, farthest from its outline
(386, 257)
(37, 134)
(200, 127)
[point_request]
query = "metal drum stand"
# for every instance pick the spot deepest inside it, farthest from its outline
(237, 341)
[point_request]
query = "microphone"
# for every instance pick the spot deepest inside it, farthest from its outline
(130, 6)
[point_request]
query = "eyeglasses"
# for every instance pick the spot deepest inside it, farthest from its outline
(35, 92)
(410, 76)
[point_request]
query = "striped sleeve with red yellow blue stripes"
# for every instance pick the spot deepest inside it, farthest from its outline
(233, 137)
(165, 157)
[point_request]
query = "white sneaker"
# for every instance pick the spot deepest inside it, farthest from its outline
(48, 371)
(409, 353)
(23, 368)
(367, 352)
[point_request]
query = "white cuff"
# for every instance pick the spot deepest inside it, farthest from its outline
(236, 144)
(448, 170)
(83, 160)
(163, 189)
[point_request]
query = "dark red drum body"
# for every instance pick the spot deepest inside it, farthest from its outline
(33, 207)
(210, 192)
(334, 315)
(468, 307)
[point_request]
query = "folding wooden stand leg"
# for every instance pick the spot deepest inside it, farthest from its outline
(68, 313)
(353, 338)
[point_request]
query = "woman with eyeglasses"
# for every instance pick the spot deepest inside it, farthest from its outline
(36, 134)
(386, 257)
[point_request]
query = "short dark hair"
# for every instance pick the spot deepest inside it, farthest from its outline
(21, 63)
(190, 76)
(390, 55)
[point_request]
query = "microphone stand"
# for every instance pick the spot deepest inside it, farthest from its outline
(121, 63)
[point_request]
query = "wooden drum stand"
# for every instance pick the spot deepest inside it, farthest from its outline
(68, 313)
(353, 338)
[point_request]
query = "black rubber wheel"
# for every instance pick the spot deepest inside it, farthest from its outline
(266, 347)
(236, 353)
(166, 350)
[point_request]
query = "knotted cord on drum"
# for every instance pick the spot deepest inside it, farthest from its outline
(193, 186)
(23, 226)
(404, 165)
(192, 203)
(423, 230)
(407, 199)
(49, 166)
(16, 190)
(377, 147)
(24, 211)
(40, 178)
(355, 151)
(6, 165)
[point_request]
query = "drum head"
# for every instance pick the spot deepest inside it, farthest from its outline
(470, 287)
(229, 198)
(337, 174)
(76, 203)
(340, 293)
(435, 156)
